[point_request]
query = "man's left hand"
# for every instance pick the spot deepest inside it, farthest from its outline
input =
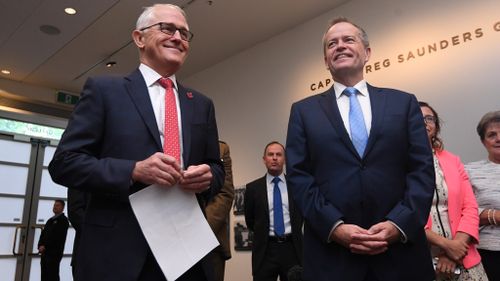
(196, 178)
(377, 239)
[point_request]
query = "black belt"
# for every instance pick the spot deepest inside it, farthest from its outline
(281, 239)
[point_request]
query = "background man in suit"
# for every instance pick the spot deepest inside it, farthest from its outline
(276, 248)
(113, 146)
(217, 212)
(51, 243)
(360, 169)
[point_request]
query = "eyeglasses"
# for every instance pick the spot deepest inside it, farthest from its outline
(170, 29)
(429, 119)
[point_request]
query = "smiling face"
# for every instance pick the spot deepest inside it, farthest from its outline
(162, 52)
(345, 53)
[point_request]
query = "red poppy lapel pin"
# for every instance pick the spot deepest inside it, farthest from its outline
(189, 95)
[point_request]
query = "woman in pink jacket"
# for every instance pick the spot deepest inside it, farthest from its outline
(453, 226)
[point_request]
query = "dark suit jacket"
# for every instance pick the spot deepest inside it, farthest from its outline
(218, 208)
(394, 180)
(112, 127)
(257, 220)
(77, 203)
(53, 237)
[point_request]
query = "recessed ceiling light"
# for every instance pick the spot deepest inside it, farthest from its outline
(70, 11)
(110, 64)
(5, 71)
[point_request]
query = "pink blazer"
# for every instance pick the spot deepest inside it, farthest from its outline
(462, 205)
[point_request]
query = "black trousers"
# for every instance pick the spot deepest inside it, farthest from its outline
(152, 272)
(49, 268)
(491, 263)
(280, 257)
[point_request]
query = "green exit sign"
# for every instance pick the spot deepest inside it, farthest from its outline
(66, 98)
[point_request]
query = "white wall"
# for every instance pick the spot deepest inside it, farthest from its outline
(253, 90)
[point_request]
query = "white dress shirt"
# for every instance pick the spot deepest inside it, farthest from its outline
(157, 97)
(364, 102)
(284, 202)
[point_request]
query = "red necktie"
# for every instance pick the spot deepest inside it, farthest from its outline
(171, 144)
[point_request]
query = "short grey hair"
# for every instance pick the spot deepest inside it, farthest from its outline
(146, 15)
(362, 33)
(488, 118)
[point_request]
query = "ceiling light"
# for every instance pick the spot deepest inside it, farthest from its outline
(110, 64)
(70, 11)
(5, 71)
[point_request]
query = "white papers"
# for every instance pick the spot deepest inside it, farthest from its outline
(174, 226)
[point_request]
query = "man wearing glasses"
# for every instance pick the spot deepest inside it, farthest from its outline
(129, 132)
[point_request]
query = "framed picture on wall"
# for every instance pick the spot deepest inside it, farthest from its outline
(243, 238)
(239, 195)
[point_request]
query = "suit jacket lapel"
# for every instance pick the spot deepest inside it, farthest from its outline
(291, 207)
(263, 194)
(328, 103)
(137, 90)
(377, 101)
(187, 110)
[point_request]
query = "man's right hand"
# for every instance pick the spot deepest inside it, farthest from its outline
(41, 249)
(159, 169)
(344, 234)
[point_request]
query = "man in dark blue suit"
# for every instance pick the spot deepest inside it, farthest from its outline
(360, 168)
(113, 146)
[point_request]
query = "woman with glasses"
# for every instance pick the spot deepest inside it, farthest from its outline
(453, 226)
(485, 179)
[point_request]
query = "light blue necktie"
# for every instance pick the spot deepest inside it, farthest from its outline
(279, 224)
(359, 134)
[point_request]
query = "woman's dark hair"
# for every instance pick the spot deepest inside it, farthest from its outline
(436, 141)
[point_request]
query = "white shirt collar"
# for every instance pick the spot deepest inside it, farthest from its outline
(360, 86)
(151, 76)
(269, 177)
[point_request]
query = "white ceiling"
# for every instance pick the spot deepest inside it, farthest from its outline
(100, 32)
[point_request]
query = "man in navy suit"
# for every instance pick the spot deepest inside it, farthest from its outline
(113, 147)
(365, 202)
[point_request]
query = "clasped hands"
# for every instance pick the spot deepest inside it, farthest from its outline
(372, 241)
(453, 253)
(164, 170)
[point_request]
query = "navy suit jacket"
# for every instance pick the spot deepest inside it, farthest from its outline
(257, 220)
(393, 180)
(112, 127)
